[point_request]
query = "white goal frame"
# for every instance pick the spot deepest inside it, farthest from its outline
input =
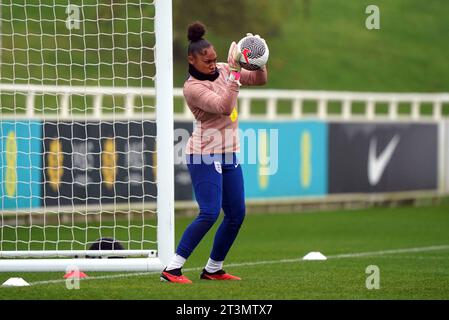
(163, 91)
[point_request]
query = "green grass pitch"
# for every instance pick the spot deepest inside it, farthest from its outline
(409, 245)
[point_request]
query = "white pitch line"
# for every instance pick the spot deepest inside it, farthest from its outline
(393, 251)
(255, 263)
(346, 255)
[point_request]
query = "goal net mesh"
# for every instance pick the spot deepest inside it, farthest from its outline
(77, 125)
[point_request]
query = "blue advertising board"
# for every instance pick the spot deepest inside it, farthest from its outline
(20, 164)
(284, 159)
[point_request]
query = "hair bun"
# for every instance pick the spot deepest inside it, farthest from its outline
(196, 31)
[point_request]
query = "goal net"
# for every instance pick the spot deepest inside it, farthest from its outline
(86, 135)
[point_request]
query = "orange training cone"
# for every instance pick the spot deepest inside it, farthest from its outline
(75, 274)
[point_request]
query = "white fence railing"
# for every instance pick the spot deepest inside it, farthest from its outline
(371, 106)
(346, 101)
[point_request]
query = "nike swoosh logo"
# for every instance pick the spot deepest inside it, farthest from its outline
(377, 164)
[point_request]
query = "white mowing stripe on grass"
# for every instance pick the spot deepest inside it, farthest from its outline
(255, 263)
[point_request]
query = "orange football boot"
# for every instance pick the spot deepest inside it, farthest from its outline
(218, 275)
(174, 276)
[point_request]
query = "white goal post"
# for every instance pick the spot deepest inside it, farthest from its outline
(42, 229)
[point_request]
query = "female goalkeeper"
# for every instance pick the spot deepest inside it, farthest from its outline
(211, 93)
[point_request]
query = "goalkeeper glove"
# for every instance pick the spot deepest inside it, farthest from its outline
(234, 56)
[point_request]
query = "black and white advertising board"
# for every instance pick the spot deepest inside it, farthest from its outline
(382, 157)
(104, 162)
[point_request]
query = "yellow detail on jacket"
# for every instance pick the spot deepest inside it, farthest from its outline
(234, 115)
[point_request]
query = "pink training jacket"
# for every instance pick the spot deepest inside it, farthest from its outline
(214, 105)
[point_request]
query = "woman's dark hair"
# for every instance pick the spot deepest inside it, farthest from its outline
(195, 35)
